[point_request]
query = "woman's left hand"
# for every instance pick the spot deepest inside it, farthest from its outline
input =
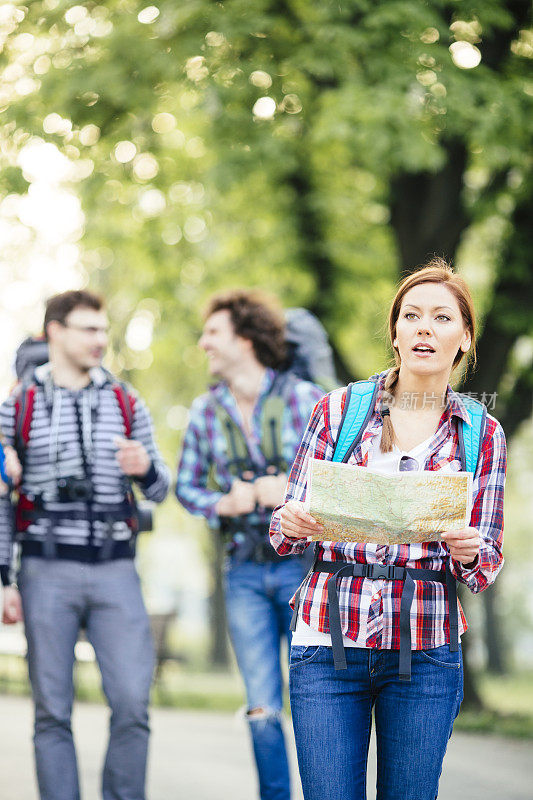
(463, 545)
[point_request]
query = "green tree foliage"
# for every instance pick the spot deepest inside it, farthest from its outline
(325, 145)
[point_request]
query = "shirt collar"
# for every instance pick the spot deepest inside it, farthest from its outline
(98, 375)
(456, 406)
(222, 393)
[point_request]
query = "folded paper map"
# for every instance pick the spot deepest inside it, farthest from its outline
(355, 504)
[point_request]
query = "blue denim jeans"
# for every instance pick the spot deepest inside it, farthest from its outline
(257, 603)
(332, 718)
(58, 598)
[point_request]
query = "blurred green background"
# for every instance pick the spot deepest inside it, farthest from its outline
(315, 149)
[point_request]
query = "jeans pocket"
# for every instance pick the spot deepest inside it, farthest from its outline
(442, 657)
(303, 655)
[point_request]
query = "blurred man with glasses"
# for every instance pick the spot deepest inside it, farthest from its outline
(82, 438)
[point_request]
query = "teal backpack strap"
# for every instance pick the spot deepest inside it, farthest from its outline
(471, 436)
(358, 408)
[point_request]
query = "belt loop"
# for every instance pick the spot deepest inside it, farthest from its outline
(106, 547)
(408, 592)
(49, 544)
(453, 610)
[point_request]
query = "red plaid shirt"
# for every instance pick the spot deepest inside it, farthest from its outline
(370, 610)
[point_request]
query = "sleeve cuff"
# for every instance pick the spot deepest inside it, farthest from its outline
(4, 575)
(210, 511)
(150, 477)
(464, 572)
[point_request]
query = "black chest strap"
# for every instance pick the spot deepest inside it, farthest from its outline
(391, 573)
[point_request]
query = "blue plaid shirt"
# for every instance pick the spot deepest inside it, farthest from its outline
(205, 445)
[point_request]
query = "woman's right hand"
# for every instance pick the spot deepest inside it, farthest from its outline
(296, 523)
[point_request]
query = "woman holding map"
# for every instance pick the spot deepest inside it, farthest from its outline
(377, 625)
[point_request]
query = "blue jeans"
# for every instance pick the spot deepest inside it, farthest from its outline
(58, 598)
(257, 603)
(332, 718)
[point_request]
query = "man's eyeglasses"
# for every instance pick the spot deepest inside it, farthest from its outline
(90, 330)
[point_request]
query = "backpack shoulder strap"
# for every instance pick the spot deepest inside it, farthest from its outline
(24, 403)
(272, 430)
(236, 447)
(358, 408)
(471, 436)
(272, 419)
(126, 401)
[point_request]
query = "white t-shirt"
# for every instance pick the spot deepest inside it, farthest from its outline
(389, 464)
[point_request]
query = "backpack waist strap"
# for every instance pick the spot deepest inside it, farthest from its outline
(248, 541)
(85, 553)
(391, 573)
(120, 512)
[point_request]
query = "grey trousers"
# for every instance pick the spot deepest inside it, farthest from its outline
(58, 597)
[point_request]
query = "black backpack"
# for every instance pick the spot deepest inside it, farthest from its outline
(31, 353)
(310, 356)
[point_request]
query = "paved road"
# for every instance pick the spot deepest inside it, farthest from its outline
(204, 756)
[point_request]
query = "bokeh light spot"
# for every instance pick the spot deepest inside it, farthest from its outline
(125, 151)
(430, 36)
(264, 108)
(163, 122)
(75, 14)
(465, 55)
(152, 202)
(89, 134)
(196, 69)
(178, 418)
(140, 330)
(261, 79)
(148, 15)
(215, 39)
(41, 65)
(145, 167)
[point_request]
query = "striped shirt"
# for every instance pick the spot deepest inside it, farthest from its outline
(54, 451)
(370, 609)
(205, 445)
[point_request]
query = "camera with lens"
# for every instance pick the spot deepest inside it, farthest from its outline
(145, 517)
(74, 489)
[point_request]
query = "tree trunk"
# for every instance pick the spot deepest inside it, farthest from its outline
(471, 698)
(219, 651)
(427, 211)
(314, 255)
(497, 661)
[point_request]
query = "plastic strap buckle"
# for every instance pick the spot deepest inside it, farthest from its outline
(386, 571)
